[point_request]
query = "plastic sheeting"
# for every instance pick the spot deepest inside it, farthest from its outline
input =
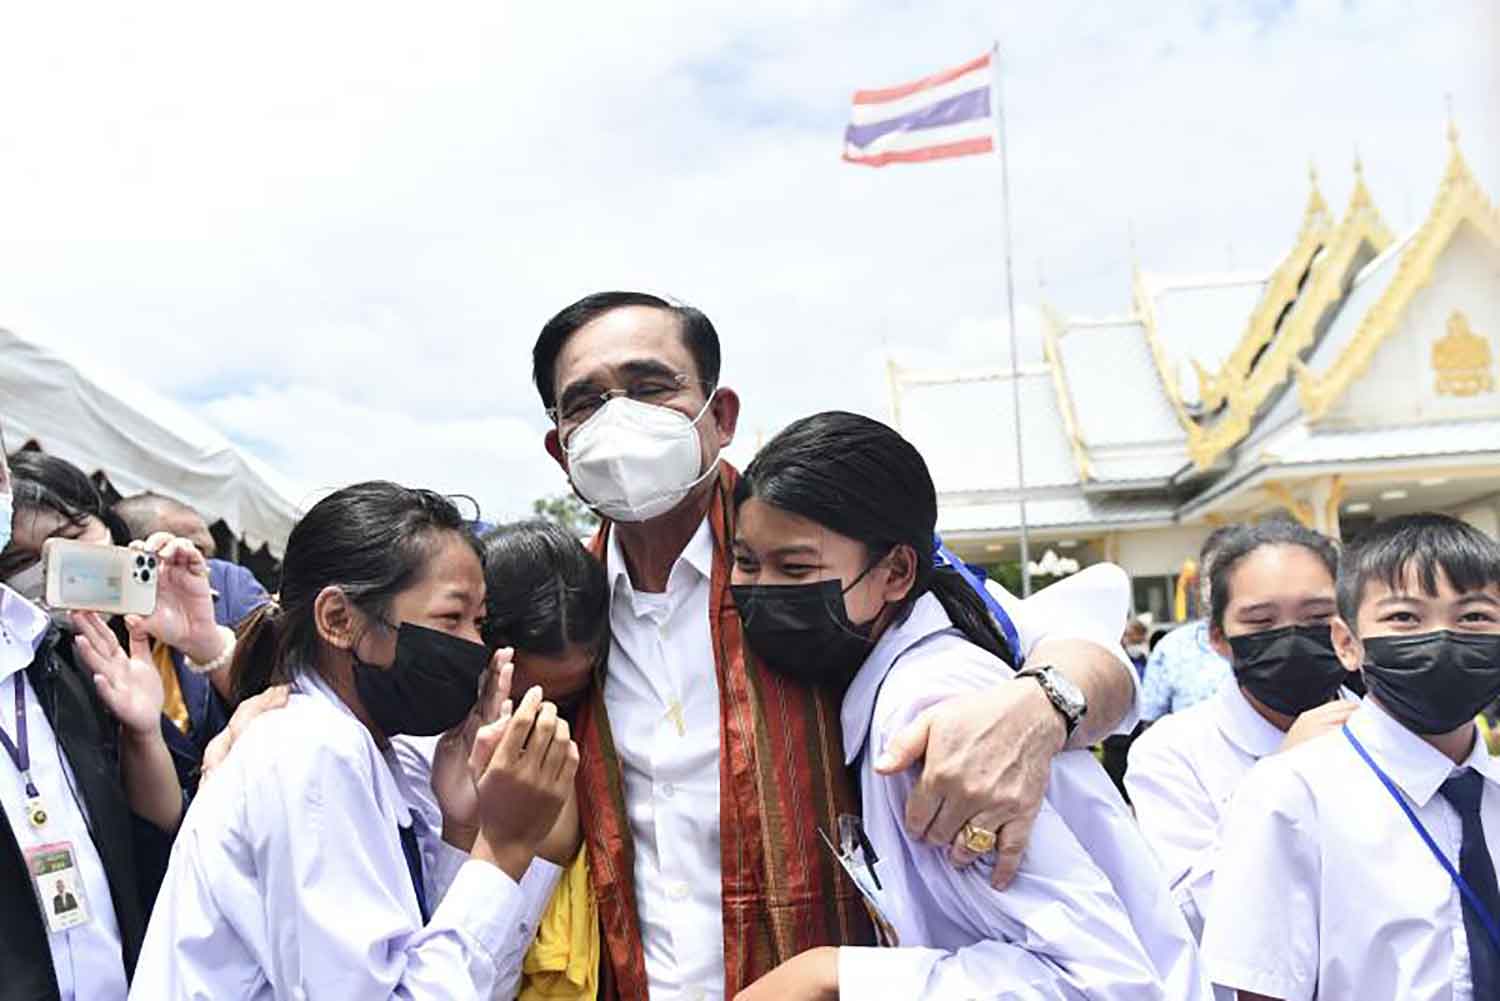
(141, 441)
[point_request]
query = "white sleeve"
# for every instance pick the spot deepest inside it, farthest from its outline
(1177, 817)
(1263, 931)
(338, 898)
(1059, 931)
(1091, 605)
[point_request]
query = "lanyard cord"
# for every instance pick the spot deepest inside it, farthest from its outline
(1469, 896)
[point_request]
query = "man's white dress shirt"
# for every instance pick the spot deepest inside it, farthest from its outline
(1088, 915)
(1324, 888)
(288, 879)
(87, 959)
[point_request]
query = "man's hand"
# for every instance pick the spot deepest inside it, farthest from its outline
(129, 684)
(988, 759)
(809, 976)
(184, 615)
(452, 782)
(1316, 722)
(523, 766)
(218, 749)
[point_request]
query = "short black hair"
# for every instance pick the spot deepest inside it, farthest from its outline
(698, 334)
(1427, 542)
(544, 591)
(1242, 540)
(43, 482)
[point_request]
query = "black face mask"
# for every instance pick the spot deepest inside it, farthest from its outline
(1433, 682)
(1291, 669)
(430, 687)
(803, 630)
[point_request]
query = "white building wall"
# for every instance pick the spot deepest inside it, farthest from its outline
(1399, 387)
(1159, 551)
(1484, 516)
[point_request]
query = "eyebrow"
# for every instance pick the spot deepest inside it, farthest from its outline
(1481, 597)
(798, 549)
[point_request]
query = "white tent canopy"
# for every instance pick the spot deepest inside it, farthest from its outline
(140, 440)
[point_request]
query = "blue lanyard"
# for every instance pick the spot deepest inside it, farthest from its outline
(1485, 917)
(943, 556)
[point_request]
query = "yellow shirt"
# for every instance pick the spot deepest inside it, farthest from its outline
(563, 963)
(173, 707)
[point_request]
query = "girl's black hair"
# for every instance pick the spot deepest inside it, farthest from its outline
(544, 591)
(373, 541)
(42, 482)
(859, 478)
(1242, 540)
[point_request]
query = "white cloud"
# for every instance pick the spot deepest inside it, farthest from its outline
(334, 229)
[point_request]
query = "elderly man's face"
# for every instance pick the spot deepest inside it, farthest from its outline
(189, 524)
(627, 349)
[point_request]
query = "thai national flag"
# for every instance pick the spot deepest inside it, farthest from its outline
(944, 115)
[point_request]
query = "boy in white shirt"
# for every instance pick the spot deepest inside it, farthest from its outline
(1362, 864)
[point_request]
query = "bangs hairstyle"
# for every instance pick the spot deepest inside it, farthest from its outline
(1242, 540)
(1424, 543)
(544, 592)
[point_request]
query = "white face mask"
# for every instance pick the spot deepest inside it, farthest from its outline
(632, 461)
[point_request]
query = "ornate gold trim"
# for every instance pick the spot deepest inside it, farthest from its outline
(1462, 360)
(1316, 229)
(1145, 311)
(1460, 199)
(1053, 328)
(1300, 509)
(1361, 225)
(1336, 492)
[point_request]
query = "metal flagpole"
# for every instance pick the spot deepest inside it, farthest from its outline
(1010, 308)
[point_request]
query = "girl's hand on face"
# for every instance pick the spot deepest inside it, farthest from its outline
(524, 766)
(453, 782)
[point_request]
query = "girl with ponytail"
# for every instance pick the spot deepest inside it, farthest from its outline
(836, 581)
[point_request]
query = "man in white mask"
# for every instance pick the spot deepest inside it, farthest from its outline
(705, 778)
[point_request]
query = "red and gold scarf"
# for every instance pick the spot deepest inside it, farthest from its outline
(782, 777)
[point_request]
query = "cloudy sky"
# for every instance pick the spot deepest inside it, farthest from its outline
(333, 230)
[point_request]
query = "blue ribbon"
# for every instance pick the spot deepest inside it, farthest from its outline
(942, 556)
(1485, 917)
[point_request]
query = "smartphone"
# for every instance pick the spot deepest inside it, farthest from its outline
(95, 578)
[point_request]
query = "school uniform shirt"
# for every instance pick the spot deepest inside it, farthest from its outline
(1325, 889)
(1088, 915)
(288, 879)
(87, 961)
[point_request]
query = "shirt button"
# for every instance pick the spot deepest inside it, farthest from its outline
(668, 790)
(677, 891)
(525, 928)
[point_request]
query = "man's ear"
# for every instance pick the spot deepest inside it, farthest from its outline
(555, 449)
(1219, 641)
(334, 617)
(1347, 645)
(726, 410)
(901, 574)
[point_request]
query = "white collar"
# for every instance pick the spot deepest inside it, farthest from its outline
(927, 619)
(22, 627)
(1242, 725)
(390, 779)
(1412, 763)
(698, 554)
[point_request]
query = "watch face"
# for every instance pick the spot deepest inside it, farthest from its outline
(1070, 692)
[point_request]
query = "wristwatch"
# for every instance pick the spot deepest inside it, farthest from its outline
(1066, 697)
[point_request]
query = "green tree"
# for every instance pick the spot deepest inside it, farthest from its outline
(568, 512)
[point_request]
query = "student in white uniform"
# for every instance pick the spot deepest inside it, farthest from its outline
(1271, 603)
(834, 553)
(1362, 863)
(302, 869)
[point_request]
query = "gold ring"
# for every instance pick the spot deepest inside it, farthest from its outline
(977, 839)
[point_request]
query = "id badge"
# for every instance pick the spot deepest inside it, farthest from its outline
(857, 857)
(59, 889)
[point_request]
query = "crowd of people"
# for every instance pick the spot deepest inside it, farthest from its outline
(762, 736)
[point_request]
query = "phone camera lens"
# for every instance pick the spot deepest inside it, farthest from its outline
(151, 561)
(140, 561)
(145, 576)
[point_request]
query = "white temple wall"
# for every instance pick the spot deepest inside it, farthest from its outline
(1399, 387)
